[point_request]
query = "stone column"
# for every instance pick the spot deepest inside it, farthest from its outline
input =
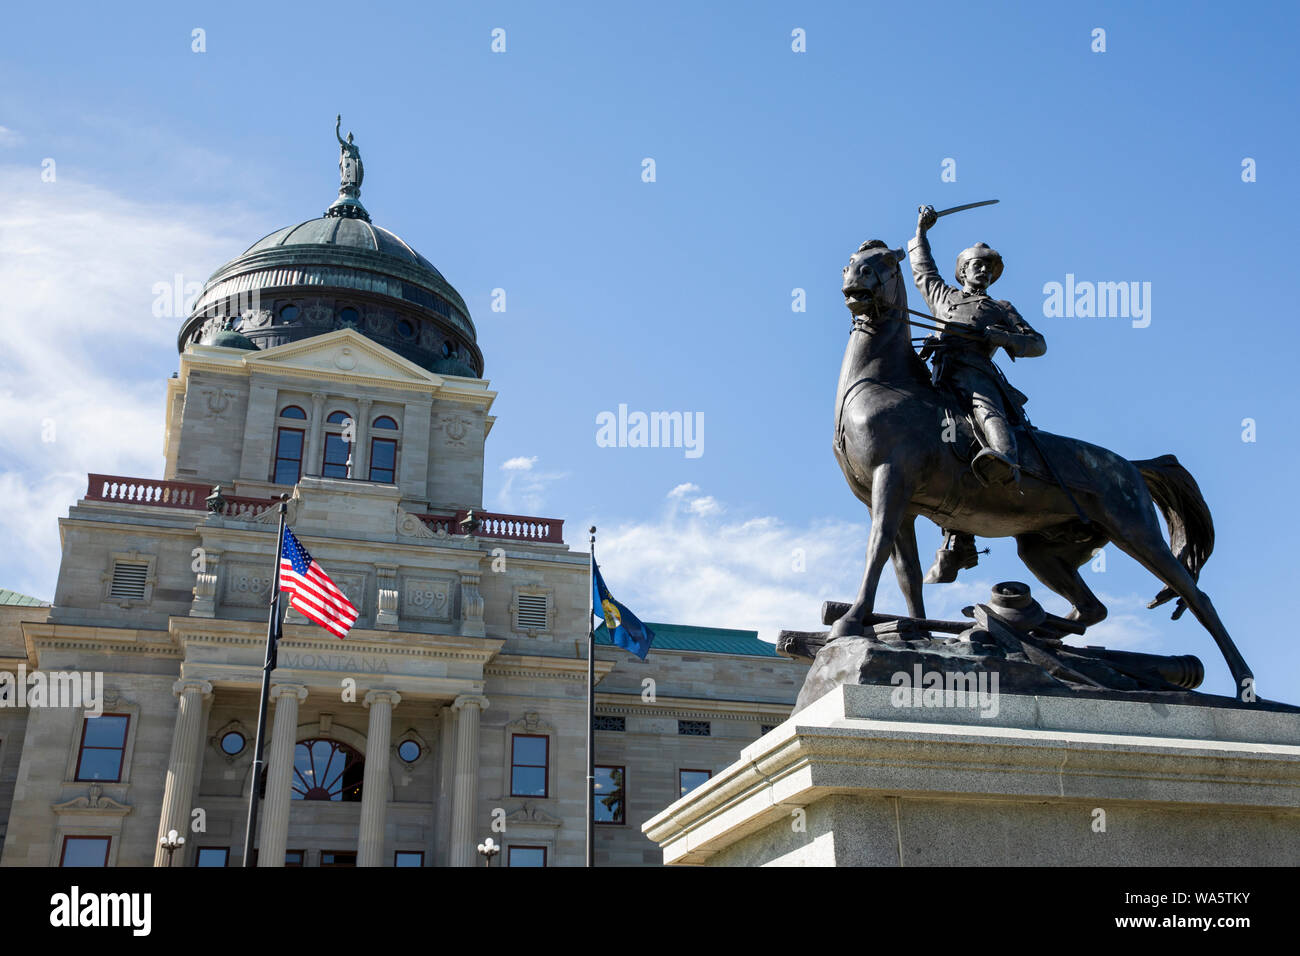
(182, 766)
(361, 451)
(374, 784)
(464, 802)
(314, 455)
(446, 782)
(279, 774)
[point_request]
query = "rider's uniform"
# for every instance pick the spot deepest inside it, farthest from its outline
(966, 363)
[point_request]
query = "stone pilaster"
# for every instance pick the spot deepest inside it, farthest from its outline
(205, 586)
(279, 774)
(374, 786)
(361, 451)
(187, 741)
(386, 596)
(468, 707)
(471, 606)
(311, 464)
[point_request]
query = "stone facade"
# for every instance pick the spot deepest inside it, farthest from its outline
(463, 642)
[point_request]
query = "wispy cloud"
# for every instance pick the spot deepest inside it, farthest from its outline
(524, 489)
(10, 137)
(86, 358)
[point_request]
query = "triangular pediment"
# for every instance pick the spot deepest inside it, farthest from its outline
(343, 354)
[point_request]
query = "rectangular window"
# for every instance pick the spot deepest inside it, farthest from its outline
(84, 851)
(294, 857)
(383, 460)
(688, 780)
(288, 456)
(335, 463)
(530, 613)
(336, 858)
(408, 858)
(103, 747)
(615, 724)
(694, 728)
(526, 856)
(609, 799)
(129, 580)
(213, 856)
(528, 762)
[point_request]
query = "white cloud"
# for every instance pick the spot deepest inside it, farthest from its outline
(85, 357)
(524, 489)
(707, 505)
(683, 489)
(9, 137)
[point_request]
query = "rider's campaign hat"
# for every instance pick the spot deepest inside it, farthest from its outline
(980, 251)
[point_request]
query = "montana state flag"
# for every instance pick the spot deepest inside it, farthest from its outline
(624, 627)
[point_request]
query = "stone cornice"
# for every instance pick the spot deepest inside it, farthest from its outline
(114, 640)
(691, 708)
(540, 667)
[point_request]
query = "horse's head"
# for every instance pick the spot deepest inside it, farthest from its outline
(872, 280)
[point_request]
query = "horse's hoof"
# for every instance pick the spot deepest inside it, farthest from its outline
(845, 628)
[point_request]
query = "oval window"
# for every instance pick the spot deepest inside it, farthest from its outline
(289, 313)
(350, 315)
(405, 329)
(233, 743)
(408, 750)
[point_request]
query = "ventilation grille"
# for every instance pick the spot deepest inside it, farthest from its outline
(617, 724)
(530, 613)
(129, 580)
(694, 728)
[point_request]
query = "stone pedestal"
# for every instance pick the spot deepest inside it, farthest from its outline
(867, 776)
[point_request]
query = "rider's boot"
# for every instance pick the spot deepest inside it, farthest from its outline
(997, 463)
(958, 552)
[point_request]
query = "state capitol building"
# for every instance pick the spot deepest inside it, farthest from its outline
(333, 363)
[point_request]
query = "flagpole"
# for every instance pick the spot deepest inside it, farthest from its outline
(272, 638)
(591, 703)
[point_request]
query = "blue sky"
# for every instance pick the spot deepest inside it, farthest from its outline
(522, 170)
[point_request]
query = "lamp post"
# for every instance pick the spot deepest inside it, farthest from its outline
(172, 842)
(488, 849)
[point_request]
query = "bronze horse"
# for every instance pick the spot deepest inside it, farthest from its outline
(894, 440)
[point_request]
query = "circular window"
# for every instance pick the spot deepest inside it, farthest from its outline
(408, 750)
(233, 743)
(289, 313)
(405, 329)
(350, 315)
(446, 350)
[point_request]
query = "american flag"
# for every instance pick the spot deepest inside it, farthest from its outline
(311, 591)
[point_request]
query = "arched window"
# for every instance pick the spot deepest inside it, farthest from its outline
(383, 421)
(338, 418)
(327, 770)
(293, 411)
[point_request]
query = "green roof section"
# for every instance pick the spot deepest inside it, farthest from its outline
(707, 640)
(14, 599)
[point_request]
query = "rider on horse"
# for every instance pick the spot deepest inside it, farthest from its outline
(964, 363)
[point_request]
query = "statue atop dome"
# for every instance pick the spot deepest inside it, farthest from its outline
(351, 172)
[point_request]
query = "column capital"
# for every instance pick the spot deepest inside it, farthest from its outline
(478, 700)
(295, 690)
(318, 398)
(365, 403)
(392, 696)
(187, 684)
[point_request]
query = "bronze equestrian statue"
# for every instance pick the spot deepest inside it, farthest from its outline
(906, 446)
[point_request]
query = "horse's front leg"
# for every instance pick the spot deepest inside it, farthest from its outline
(907, 566)
(889, 498)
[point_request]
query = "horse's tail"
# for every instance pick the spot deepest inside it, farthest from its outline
(1191, 529)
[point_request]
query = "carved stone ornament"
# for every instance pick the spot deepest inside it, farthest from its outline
(409, 526)
(94, 801)
(532, 816)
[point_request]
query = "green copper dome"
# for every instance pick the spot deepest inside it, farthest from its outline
(230, 339)
(338, 271)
